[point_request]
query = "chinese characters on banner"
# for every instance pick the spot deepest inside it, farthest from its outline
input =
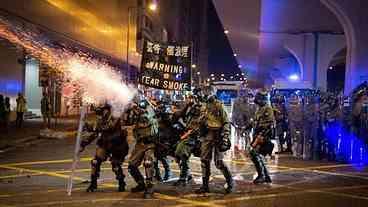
(166, 66)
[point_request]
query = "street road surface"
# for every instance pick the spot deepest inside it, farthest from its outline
(37, 176)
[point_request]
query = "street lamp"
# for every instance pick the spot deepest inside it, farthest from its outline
(152, 7)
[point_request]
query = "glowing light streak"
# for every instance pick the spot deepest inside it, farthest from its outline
(97, 80)
(348, 146)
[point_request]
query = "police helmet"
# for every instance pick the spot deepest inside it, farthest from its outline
(261, 98)
(100, 109)
(107, 106)
(197, 91)
(196, 110)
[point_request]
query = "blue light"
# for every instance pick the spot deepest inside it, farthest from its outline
(294, 77)
(10, 86)
(348, 147)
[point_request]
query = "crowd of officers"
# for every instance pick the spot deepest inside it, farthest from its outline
(311, 124)
(200, 127)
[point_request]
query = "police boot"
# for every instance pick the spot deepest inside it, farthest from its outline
(189, 174)
(148, 192)
(95, 167)
(137, 176)
(265, 172)
(183, 174)
(258, 165)
(229, 180)
(204, 188)
(93, 186)
(116, 167)
(166, 165)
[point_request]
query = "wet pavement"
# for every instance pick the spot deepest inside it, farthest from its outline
(37, 176)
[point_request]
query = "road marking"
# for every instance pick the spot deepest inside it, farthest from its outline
(191, 202)
(102, 200)
(157, 195)
(312, 169)
(84, 159)
(337, 174)
(106, 168)
(274, 195)
(18, 175)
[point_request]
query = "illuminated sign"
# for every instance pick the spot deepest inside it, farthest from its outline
(166, 66)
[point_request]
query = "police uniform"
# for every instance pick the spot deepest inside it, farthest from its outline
(111, 144)
(311, 126)
(360, 123)
(145, 133)
(280, 113)
(166, 143)
(332, 125)
(263, 131)
(296, 118)
(242, 115)
(190, 140)
(218, 130)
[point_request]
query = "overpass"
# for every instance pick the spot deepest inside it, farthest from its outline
(298, 40)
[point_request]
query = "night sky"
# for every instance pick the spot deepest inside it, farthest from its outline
(220, 54)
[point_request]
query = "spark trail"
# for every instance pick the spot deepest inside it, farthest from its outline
(98, 80)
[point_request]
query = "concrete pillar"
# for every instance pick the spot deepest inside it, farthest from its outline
(354, 19)
(329, 46)
(303, 47)
(314, 52)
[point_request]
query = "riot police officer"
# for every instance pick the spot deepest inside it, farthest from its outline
(166, 142)
(281, 115)
(145, 132)
(331, 124)
(215, 142)
(296, 117)
(263, 131)
(111, 144)
(190, 140)
(360, 123)
(311, 125)
(242, 115)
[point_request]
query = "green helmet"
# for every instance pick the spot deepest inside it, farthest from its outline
(261, 98)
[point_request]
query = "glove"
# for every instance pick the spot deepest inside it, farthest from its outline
(225, 143)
